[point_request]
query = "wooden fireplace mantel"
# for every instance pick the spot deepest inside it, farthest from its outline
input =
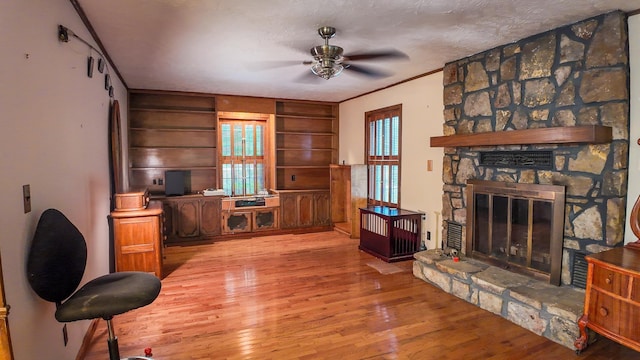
(593, 134)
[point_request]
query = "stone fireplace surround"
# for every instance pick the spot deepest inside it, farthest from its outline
(575, 75)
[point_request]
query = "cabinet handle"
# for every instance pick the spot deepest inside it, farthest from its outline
(608, 280)
(604, 311)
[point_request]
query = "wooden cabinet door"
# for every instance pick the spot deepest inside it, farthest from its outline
(288, 209)
(305, 209)
(322, 209)
(187, 217)
(266, 219)
(237, 222)
(210, 216)
(168, 209)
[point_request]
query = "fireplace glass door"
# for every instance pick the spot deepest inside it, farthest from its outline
(516, 230)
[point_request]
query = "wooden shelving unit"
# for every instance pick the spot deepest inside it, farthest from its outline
(593, 134)
(306, 144)
(169, 131)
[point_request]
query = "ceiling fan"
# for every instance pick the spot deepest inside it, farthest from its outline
(329, 60)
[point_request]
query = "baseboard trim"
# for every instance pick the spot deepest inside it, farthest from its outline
(86, 341)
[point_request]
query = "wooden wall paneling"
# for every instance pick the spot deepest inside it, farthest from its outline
(171, 119)
(171, 131)
(151, 99)
(245, 104)
(305, 178)
(172, 138)
(172, 157)
(306, 144)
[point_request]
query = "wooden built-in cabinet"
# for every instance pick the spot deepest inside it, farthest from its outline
(178, 131)
(138, 239)
(250, 218)
(302, 209)
(348, 195)
(171, 131)
(306, 144)
(192, 217)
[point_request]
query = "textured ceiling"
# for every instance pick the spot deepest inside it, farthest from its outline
(256, 48)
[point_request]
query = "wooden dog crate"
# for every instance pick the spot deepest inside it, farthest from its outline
(390, 234)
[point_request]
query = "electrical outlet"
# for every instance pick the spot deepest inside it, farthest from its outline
(65, 335)
(26, 197)
(428, 235)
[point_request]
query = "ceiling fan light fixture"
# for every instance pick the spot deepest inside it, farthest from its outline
(327, 61)
(326, 69)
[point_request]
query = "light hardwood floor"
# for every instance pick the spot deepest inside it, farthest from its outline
(313, 296)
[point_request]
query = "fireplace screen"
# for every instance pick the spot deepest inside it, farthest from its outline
(518, 226)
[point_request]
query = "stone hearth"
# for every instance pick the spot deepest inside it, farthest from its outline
(544, 309)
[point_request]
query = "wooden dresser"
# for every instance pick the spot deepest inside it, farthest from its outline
(138, 236)
(612, 298)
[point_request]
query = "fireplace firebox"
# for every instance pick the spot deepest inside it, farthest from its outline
(517, 226)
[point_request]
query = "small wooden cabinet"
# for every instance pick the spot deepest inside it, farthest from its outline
(612, 297)
(138, 239)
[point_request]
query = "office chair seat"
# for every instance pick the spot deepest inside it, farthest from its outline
(56, 264)
(110, 295)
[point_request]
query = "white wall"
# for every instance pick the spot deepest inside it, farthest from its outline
(54, 136)
(633, 190)
(422, 118)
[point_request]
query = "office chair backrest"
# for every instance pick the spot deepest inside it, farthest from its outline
(57, 257)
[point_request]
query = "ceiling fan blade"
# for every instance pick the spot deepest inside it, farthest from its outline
(308, 78)
(378, 54)
(266, 65)
(366, 71)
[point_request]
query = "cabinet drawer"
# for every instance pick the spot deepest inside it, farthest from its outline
(604, 310)
(611, 281)
(615, 315)
(635, 289)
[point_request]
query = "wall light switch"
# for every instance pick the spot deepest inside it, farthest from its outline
(429, 165)
(26, 197)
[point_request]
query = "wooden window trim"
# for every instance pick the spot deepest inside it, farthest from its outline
(390, 111)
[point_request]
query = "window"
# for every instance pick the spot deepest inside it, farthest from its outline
(243, 162)
(383, 155)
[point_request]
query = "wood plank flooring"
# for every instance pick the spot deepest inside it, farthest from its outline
(313, 296)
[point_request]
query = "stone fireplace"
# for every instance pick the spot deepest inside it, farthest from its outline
(550, 110)
(564, 92)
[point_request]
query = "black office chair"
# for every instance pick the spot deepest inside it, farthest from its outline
(55, 267)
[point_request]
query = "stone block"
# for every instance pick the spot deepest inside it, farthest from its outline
(537, 57)
(600, 85)
(443, 281)
(526, 317)
(563, 331)
(478, 104)
(490, 302)
(498, 280)
(429, 257)
(460, 289)
(461, 270)
(477, 77)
